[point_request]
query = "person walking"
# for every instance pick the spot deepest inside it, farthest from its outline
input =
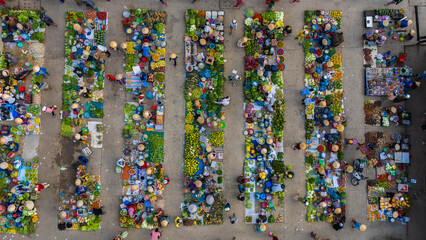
(46, 19)
(173, 57)
(233, 26)
(233, 219)
(224, 101)
(162, 1)
(155, 234)
(396, 2)
(357, 225)
(299, 146)
(239, 2)
(50, 110)
(40, 71)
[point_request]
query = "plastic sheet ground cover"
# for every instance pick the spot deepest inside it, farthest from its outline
(325, 120)
(22, 44)
(204, 137)
(83, 80)
(22, 39)
(142, 167)
(264, 166)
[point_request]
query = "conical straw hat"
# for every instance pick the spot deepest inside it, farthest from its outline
(335, 148)
(29, 205)
(113, 44)
(302, 145)
(336, 165)
(141, 147)
(363, 228)
(338, 211)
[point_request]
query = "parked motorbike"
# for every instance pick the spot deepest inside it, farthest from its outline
(358, 166)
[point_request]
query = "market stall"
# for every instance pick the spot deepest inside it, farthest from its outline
(387, 195)
(21, 84)
(264, 167)
(382, 78)
(83, 209)
(83, 80)
(204, 121)
(325, 119)
(378, 115)
(142, 167)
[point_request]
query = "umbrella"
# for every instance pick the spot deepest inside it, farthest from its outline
(210, 199)
(192, 208)
(320, 148)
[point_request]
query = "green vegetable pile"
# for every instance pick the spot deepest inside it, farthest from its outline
(156, 147)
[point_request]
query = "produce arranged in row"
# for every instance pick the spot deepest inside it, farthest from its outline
(82, 99)
(387, 196)
(141, 168)
(325, 120)
(82, 209)
(264, 170)
(21, 80)
(204, 121)
(85, 54)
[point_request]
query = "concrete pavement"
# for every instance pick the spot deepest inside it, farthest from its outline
(55, 151)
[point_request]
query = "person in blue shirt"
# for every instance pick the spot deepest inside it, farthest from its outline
(40, 71)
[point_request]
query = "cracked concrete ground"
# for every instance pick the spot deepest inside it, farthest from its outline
(56, 151)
